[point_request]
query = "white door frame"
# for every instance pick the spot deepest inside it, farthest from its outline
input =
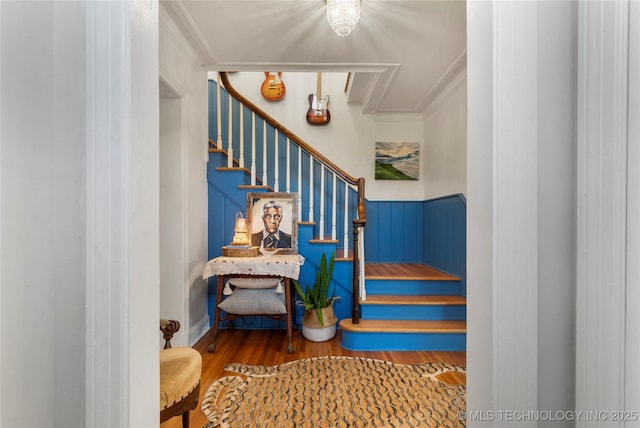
(632, 368)
(502, 204)
(602, 228)
(122, 248)
(502, 345)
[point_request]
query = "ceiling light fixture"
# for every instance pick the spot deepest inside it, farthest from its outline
(343, 15)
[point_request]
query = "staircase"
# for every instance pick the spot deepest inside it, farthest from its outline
(406, 306)
(409, 306)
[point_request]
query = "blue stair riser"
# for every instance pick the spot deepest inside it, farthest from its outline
(234, 178)
(380, 341)
(414, 312)
(411, 287)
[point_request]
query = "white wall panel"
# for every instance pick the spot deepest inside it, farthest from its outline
(184, 226)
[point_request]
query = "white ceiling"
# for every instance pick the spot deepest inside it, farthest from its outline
(401, 53)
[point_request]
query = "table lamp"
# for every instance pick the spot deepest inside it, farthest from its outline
(241, 235)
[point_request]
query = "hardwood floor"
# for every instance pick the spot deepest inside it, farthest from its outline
(269, 347)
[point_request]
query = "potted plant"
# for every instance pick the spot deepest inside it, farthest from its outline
(319, 320)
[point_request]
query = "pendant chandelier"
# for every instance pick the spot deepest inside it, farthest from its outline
(343, 15)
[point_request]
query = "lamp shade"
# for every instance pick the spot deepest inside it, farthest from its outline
(241, 229)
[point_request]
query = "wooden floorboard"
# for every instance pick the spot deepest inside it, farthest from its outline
(269, 347)
(405, 271)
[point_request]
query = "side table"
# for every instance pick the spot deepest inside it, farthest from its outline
(284, 267)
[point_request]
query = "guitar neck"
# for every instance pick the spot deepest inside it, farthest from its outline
(319, 92)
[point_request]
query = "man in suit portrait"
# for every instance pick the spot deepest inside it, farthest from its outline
(271, 236)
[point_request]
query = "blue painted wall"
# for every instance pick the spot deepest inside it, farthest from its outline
(445, 232)
(433, 232)
(394, 231)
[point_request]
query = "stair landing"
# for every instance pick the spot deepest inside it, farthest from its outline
(405, 271)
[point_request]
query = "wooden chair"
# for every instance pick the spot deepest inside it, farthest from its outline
(180, 372)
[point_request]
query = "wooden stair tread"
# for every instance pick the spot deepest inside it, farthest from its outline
(405, 271)
(404, 326)
(340, 254)
(257, 186)
(232, 168)
(317, 240)
(388, 299)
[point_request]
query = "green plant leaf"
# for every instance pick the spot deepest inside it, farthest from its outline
(301, 293)
(317, 296)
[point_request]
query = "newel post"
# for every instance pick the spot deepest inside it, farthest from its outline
(355, 310)
(358, 222)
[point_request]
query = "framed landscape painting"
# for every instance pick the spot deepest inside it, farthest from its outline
(397, 161)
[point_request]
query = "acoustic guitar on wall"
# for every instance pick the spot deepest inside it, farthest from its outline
(318, 113)
(273, 88)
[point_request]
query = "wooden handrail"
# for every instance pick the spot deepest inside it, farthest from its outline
(362, 214)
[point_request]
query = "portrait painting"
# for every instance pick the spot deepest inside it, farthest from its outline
(273, 221)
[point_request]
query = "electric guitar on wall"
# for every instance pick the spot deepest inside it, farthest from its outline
(318, 113)
(272, 88)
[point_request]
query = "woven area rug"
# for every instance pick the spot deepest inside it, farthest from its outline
(335, 392)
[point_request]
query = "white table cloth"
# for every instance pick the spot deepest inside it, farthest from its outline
(282, 265)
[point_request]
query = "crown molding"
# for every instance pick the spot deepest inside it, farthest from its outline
(449, 79)
(378, 88)
(186, 24)
(300, 67)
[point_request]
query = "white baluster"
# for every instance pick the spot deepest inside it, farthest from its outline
(299, 183)
(230, 142)
(241, 159)
(346, 219)
(310, 188)
(321, 202)
(276, 173)
(253, 148)
(218, 114)
(333, 210)
(264, 153)
(288, 166)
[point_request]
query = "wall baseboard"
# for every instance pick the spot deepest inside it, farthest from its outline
(198, 330)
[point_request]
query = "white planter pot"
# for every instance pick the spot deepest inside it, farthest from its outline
(316, 332)
(319, 334)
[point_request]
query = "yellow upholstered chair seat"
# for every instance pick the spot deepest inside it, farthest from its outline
(180, 370)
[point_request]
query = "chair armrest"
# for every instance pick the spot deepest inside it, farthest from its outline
(169, 328)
